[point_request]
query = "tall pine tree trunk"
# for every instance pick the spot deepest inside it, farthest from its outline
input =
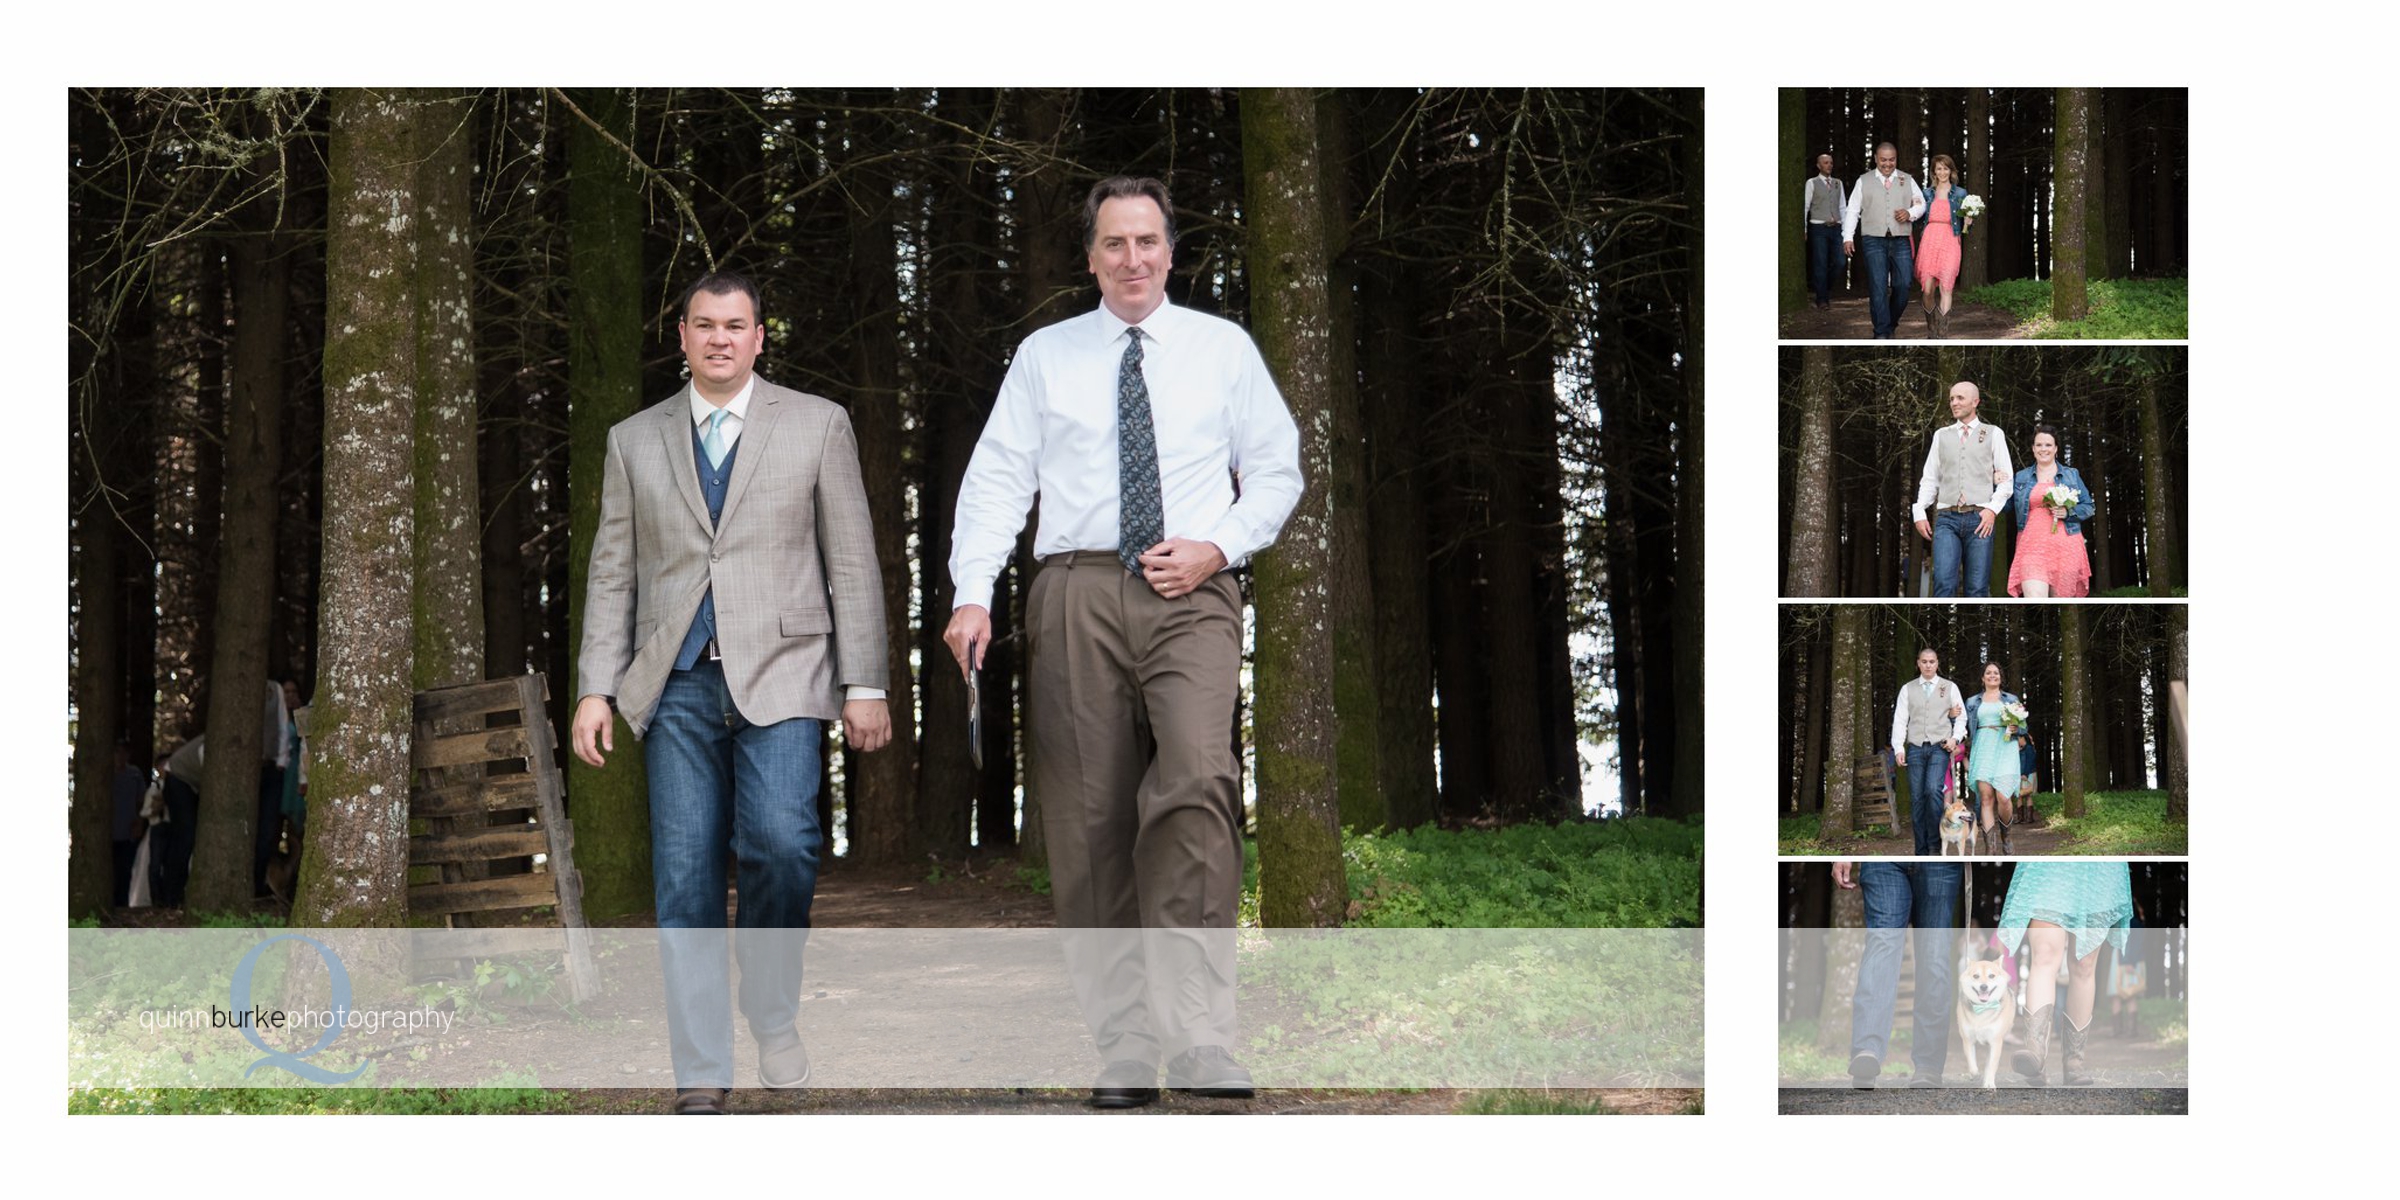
(1690, 525)
(2073, 706)
(1299, 841)
(448, 622)
(1791, 239)
(1400, 559)
(221, 859)
(1851, 669)
(2173, 748)
(2158, 504)
(355, 871)
(611, 805)
(1812, 554)
(1975, 253)
(882, 787)
(2069, 183)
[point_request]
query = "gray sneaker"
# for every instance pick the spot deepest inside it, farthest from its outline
(1863, 1070)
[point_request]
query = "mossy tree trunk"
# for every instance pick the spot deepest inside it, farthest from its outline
(2096, 265)
(1846, 741)
(355, 870)
(2176, 751)
(2073, 705)
(1811, 572)
(610, 805)
(1299, 840)
(221, 860)
(1843, 949)
(1791, 240)
(448, 622)
(2069, 179)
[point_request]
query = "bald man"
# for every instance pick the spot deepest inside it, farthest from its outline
(1879, 220)
(1966, 482)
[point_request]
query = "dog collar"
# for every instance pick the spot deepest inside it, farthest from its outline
(1985, 1007)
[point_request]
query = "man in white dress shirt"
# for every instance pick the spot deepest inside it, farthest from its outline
(1882, 213)
(1133, 424)
(1928, 722)
(1822, 205)
(1965, 485)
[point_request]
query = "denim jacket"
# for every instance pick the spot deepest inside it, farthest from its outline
(1958, 220)
(2022, 497)
(1975, 701)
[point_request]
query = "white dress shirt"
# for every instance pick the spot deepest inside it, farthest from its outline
(1053, 432)
(1929, 483)
(736, 410)
(1916, 201)
(1943, 690)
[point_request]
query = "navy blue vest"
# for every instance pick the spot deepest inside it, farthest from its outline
(712, 489)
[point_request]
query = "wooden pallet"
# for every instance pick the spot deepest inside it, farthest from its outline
(1872, 803)
(474, 815)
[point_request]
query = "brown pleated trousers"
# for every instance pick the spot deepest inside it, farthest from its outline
(1132, 762)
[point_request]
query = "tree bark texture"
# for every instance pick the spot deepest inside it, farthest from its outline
(1299, 839)
(2070, 180)
(355, 870)
(1812, 553)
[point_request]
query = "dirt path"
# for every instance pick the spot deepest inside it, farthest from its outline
(2091, 1101)
(1851, 320)
(2023, 840)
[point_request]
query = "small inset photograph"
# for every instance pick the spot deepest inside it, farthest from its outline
(1977, 986)
(1983, 213)
(1954, 730)
(1985, 472)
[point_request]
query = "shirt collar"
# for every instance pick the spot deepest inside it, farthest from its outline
(1161, 319)
(739, 406)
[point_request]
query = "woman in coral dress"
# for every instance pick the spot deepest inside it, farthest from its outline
(1937, 251)
(2050, 559)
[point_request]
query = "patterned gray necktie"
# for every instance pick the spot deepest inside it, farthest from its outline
(1141, 516)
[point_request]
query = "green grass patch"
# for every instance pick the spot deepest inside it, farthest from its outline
(1636, 873)
(1797, 1058)
(1805, 834)
(2118, 823)
(1511, 1102)
(506, 1094)
(2120, 308)
(2136, 592)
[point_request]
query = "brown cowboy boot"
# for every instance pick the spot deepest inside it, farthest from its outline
(2030, 1061)
(2070, 1064)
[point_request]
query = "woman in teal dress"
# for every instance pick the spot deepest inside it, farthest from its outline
(1992, 756)
(2054, 908)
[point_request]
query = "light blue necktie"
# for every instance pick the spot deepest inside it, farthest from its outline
(714, 443)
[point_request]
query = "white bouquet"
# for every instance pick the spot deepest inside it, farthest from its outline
(2014, 716)
(2060, 499)
(1973, 206)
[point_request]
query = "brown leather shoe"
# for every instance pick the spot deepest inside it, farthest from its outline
(783, 1063)
(700, 1102)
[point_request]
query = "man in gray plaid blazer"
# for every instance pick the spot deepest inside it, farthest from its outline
(734, 606)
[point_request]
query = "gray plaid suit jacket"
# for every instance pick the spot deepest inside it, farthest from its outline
(792, 558)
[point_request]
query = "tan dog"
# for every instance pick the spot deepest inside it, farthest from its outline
(1986, 1010)
(1958, 828)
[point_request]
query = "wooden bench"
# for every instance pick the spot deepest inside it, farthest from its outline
(494, 794)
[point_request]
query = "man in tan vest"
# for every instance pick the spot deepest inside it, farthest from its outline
(1821, 208)
(1881, 214)
(1966, 484)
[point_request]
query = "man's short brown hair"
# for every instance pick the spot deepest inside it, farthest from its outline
(1125, 187)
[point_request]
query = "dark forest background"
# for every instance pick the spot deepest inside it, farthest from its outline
(1856, 424)
(2094, 677)
(2080, 184)
(343, 361)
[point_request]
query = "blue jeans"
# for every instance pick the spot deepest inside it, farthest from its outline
(719, 782)
(1928, 770)
(1889, 263)
(1825, 261)
(1899, 895)
(1954, 545)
